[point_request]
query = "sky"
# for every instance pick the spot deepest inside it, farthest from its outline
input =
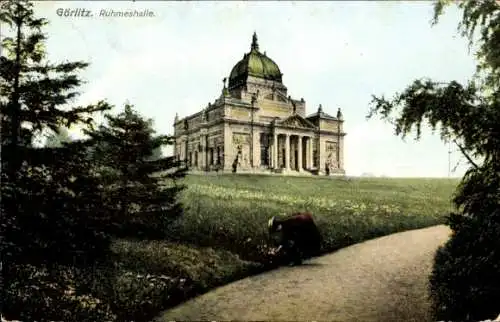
(336, 53)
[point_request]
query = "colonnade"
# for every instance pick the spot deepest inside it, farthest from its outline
(298, 148)
(299, 139)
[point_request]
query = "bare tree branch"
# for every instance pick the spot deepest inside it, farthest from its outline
(456, 166)
(466, 155)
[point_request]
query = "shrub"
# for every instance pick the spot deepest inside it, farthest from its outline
(43, 293)
(465, 282)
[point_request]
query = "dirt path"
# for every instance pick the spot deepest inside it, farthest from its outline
(384, 279)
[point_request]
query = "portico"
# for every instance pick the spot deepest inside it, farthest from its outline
(292, 151)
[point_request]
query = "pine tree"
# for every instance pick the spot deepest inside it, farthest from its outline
(52, 210)
(57, 139)
(157, 154)
(142, 183)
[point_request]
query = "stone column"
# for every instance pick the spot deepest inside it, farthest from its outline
(306, 139)
(340, 146)
(307, 152)
(186, 150)
(271, 157)
(287, 152)
(311, 154)
(228, 148)
(205, 152)
(322, 157)
(275, 151)
(299, 152)
(256, 149)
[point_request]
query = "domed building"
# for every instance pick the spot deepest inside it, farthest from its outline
(255, 126)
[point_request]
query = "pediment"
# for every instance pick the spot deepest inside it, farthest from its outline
(296, 121)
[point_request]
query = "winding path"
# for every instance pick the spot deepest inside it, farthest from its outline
(383, 279)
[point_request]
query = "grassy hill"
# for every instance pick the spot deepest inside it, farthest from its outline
(227, 210)
(222, 235)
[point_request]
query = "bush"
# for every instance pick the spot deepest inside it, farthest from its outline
(465, 282)
(42, 293)
(138, 297)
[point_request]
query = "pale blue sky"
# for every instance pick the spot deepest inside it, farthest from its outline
(332, 53)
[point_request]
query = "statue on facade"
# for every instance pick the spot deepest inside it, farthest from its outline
(236, 161)
(219, 160)
(329, 163)
(225, 91)
(254, 97)
(339, 114)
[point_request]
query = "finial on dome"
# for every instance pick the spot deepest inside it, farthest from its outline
(320, 108)
(255, 44)
(176, 119)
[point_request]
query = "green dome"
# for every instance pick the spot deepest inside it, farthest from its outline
(254, 64)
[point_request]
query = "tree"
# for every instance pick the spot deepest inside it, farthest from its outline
(56, 139)
(157, 154)
(465, 282)
(126, 150)
(51, 202)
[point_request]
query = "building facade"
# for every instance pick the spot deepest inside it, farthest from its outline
(255, 126)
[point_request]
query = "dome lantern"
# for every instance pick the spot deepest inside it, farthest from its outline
(255, 44)
(254, 64)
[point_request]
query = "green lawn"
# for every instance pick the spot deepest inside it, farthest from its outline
(222, 235)
(231, 211)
